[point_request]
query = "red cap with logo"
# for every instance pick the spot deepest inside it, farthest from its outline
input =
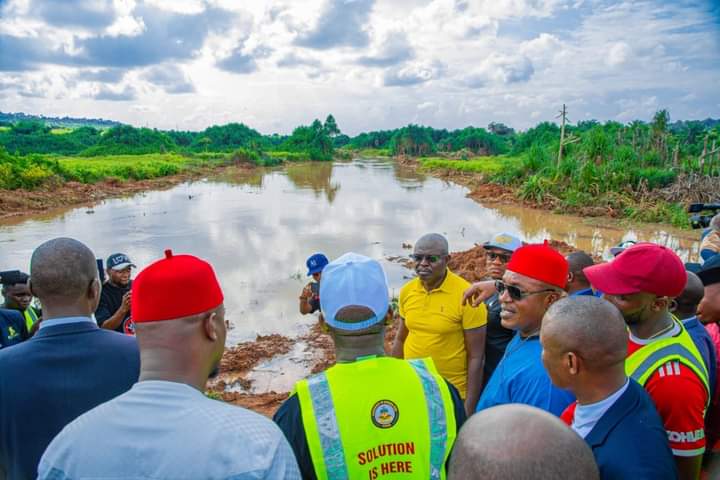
(541, 262)
(177, 286)
(644, 267)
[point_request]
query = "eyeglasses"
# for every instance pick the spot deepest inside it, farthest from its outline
(504, 257)
(515, 293)
(420, 258)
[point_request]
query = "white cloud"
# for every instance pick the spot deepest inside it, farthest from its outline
(277, 64)
(618, 54)
(501, 69)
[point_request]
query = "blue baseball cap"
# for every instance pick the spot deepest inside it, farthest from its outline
(621, 247)
(504, 241)
(316, 263)
(354, 280)
(119, 261)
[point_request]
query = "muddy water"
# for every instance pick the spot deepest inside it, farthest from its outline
(257, 228)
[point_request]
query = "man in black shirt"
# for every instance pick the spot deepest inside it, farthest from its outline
(497, 254)
(113, 311)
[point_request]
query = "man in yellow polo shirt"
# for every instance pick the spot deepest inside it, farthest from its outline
(435, 323)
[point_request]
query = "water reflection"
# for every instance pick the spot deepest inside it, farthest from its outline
(258, 227)
(314, 176)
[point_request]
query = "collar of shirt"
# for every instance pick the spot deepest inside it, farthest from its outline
(442, 287)
(685, 321)
(646, 341)
(587, 416)
(64, 321)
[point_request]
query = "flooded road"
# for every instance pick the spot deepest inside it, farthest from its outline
(258, 227)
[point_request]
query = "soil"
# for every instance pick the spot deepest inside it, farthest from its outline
(17, 203)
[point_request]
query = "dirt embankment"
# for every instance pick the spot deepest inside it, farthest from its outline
(238, 362)
(74, 194)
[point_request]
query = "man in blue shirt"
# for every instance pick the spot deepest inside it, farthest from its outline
(685, 309)
(584, 343)
(577, 283)
(534, 280)
(68, 367)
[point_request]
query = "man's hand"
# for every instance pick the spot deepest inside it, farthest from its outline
(125, 306)
(479, 292)
(307, 292)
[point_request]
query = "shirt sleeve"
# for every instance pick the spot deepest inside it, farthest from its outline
(474, 317)
(682, 415)
(283, 463)
(289, 419)
(102, 312)
(401, 301)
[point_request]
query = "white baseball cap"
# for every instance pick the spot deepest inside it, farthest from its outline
(353, 280)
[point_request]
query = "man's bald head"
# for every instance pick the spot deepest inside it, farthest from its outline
(690, 297)
(433, 241)
(519, 442)
(590, 327)
(576, 262)
(62, 270)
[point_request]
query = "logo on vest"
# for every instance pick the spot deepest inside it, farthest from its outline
(384, 414)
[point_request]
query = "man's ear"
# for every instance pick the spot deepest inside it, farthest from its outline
(573, 363)
(30, 286)
(93, 288)
(661, 303)
(209, 326)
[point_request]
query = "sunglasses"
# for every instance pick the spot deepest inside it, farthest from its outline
(504, 257)
(430, 258)
(516, 293)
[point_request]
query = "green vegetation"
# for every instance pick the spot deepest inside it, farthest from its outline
(613, 166)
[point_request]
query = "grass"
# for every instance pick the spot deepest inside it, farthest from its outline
(126, 167)
(485, 165)
(375, 152)
(60, 130)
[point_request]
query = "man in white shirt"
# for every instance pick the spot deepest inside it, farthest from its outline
(165, 427)
(584, 343)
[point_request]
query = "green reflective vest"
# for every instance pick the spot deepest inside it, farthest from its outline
(30, 317)
(378, 417)
(681, 348)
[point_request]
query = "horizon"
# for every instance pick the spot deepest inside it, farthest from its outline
(441, 63)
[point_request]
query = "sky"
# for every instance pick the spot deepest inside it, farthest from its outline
(373, 64)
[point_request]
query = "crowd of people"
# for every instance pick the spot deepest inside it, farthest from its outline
(553, 368)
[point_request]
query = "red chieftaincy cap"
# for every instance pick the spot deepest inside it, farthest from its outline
(541, 262)
(644, 267)
(177, 286)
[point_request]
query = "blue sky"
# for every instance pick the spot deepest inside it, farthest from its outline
(374, 64)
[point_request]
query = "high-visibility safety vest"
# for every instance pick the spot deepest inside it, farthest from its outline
(30, 317)
(378, 417)
(644, 362)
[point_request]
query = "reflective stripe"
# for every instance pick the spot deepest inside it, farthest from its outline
(333, 454)
(30, 317)
(436, 417)
(663, 353)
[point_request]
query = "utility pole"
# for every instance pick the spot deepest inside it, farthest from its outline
(564, 141)
(563, 115)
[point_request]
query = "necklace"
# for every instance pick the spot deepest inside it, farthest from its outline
(663, 331)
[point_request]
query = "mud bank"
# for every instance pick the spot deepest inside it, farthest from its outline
(235, 384)
(19, 203)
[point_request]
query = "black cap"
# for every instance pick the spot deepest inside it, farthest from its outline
(13, 277)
